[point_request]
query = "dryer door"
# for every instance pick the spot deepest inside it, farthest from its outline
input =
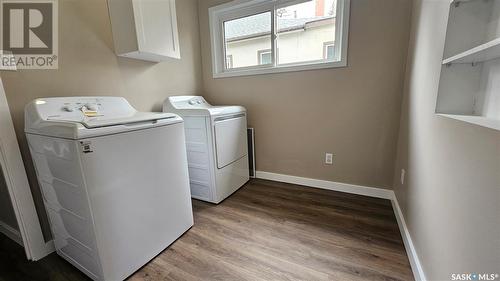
(230, 139)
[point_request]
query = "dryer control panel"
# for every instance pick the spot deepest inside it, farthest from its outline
(189, 102)
(198, 106)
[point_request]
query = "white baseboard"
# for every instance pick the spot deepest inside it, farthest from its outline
(11, 233)
(330, 185)
(416, 266)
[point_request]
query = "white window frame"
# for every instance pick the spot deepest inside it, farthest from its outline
(241, 8)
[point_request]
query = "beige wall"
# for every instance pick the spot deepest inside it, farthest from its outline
(352, 112)
(88, 66)
(451, 196)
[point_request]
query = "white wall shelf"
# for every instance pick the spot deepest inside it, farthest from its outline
(469, 86)
(481, 53)
(478, 120)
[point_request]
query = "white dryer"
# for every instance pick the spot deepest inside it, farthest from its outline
(114, 181)
(216, 141)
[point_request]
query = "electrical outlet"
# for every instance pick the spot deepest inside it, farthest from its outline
(329, 158)
(403, 174)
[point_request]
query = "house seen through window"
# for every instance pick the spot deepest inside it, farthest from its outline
(265, 57)
(229, 61)
(329, 50)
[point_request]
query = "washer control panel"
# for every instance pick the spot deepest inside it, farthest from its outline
(70, 108)
(79, 106)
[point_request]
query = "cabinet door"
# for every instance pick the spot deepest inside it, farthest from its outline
(156, 25)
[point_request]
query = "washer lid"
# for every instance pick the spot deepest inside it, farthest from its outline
(106, 121)
(81, 117)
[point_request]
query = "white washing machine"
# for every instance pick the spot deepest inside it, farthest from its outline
(216, 141)
(114, 181)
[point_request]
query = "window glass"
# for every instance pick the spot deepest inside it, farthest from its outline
(329, 50)
(265, 57)
(302, 29)
(245, 37)
(229, 61)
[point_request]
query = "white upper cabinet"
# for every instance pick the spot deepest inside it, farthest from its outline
(145, 29)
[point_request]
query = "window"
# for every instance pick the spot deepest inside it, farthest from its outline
(329, 50)
(310, 34)
(265, 57)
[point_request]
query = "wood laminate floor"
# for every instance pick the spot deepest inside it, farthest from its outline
(265, 231)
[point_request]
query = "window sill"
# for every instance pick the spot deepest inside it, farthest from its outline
(280, 69)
